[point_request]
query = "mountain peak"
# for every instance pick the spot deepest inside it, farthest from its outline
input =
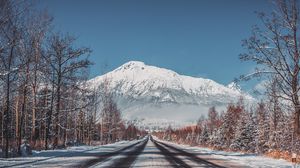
(139, 78)
(139, 63)
(132, 65)
(155, 93)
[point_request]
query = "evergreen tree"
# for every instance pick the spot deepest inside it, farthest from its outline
(204, 136)
(245, 133)
(263, 128)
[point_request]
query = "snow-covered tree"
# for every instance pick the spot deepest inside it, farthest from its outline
(263, 128)
(244, 139)
(212, 119)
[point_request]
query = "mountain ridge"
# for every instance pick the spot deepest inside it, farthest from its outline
(138, 88)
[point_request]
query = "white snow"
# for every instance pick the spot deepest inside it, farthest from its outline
(144, 77)
(249, 160)
(65, 157)
(234, 86)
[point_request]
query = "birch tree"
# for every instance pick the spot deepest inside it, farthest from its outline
(65, 62)
(10, 35)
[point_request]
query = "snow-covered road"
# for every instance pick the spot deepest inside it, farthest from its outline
(143, 153)
(232, 159)
(157, 153)
(166, 155)
(151, 157)
(72, 157)
(154, 153)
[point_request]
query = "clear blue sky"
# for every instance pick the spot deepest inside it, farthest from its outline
(200, 38)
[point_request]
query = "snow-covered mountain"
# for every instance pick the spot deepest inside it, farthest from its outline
(158, 96)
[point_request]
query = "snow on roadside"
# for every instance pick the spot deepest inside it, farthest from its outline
(63, 157)
(247, 160)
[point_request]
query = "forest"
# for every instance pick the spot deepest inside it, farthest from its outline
(45, 102)
(263, 128)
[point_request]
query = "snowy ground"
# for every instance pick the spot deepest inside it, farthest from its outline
(64, 158)
(244, 160)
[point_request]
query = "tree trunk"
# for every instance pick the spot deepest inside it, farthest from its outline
(56, 121)
(7, 108)
(17, 122)
(22, 119)
(33, 134)
(6, 116)
(23, 109)
(34, 93)
(49, 117)
(296, 120)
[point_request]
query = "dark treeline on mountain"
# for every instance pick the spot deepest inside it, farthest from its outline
(43, 98)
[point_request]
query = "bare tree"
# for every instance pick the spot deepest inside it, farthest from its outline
(38, 28)
(65, 62)
(10, 31)
(43, 93)
(111, 121)
(275, 49)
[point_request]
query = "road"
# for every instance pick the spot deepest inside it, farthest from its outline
(143, 153)
(150, 153)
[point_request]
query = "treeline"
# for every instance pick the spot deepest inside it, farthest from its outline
(264, 128)
(44, 100)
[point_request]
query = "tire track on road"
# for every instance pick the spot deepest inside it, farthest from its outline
(193, 157)
(131, 157)
(121, 162)
(170, 156)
